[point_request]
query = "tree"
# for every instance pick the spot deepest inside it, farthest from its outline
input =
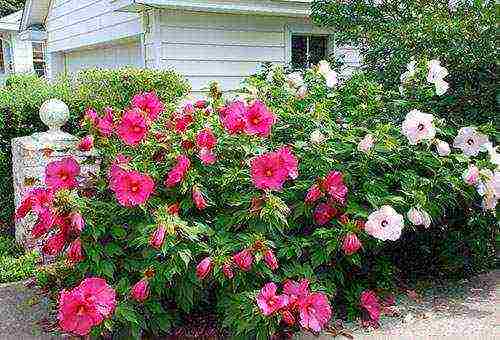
(9, 6)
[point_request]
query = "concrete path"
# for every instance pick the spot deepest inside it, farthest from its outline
(464, 310)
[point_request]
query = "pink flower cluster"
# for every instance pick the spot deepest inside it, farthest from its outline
(271, 170)
(86, 306)
(313, 309)
(206, 141)
(131, 188)
(254, 119)
(134, 124)
(63, 228)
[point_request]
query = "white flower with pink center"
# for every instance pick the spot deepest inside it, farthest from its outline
(418, 127)
(470, 141)
(418, 216)
(385, 224)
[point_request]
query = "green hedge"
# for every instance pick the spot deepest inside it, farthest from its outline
(22, 96)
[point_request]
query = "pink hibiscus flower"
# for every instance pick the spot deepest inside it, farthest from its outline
(62, 174)
(268, 171)
(418, 126)
(148, 103)
(243, 260)
(232, 117)
(38, 200)
(177, 174)
(206, 139)
(296, 290)
(335, 187)
(44, 223)
(182, 121)
(370, 302)
(259, 120)
(289, 161)
(54, 245)
(268, 301)
(75, 252)
(105, 125)
(86, 306)
(271, 260)
(315, 312)
(324, 213)
(132, 128)
(207, 157)
(385, 224)
(131, 187)
(86, 143)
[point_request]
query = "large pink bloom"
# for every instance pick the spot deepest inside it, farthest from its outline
(269, 172)
(324, 213)
(86, 306)
(105, 124)
(132, 128)
(131, 187)
(268, 301)
(259, 120)
(370, 302)
(296, 290)
(62, 174)
(37, 200)
(177, 174)
(149, 103)
(232, 117)
(335, 187)
(315, 312)
(205, 139)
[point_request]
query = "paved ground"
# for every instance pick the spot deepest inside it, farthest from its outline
(465, 310)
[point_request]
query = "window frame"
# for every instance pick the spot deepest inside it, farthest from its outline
(310, 31)
(41, 60)
(2, 57)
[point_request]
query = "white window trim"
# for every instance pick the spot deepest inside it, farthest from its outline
(307, 29)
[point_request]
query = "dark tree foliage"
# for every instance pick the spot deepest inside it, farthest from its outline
(461, 34)
(9, 6)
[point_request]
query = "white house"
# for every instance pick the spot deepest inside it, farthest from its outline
(18, 55)
(224, 40)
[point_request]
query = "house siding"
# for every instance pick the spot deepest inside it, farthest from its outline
(222, 47)
(72, 24)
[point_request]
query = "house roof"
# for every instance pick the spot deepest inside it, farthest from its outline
(34, 14)
(291, 8)
(11, 21)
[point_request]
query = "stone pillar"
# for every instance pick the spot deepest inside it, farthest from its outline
(31, 154)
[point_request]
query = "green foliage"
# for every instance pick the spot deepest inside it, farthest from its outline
(15, 265)
(389, 35)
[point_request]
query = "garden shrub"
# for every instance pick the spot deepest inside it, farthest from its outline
(21, 98)
(391, 33)
(15, 264)
(274, 211)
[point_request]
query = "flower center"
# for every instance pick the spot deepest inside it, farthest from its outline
(269, 173)
(134, 188)
(420, 127)
(64, 177)
(470, 141)
(137, 129)
(384, 223)
(255, 120)
(80, 310)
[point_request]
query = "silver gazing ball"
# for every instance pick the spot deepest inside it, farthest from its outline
(54, 113)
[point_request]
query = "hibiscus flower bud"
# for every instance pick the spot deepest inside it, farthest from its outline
(243, 260)
(288, 318)
(471, 175)
(187, 144)
(198, 199)
(75, 253)
(174, 209)
(86, 143)
(204, 268)
(270, 259)
(324, 213)
(207, 157)
(77, 222)
(200, 104)
(344, 219)
(227, 269)
(351, 244)
(188, 109)
(313, 194)
(54, 244)
(140, 291)
(443, 148)
(158, 237)
(366, 143)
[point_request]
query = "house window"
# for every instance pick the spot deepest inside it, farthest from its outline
(308, 50)
(39, 59)
(2, 66)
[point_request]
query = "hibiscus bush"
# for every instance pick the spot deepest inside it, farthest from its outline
(270, 210)
(393, 33)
